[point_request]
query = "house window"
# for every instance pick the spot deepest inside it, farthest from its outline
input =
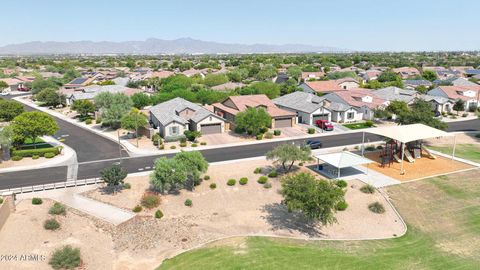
(350, 115)
(174, 130)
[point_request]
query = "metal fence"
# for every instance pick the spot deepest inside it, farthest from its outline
(57, 185)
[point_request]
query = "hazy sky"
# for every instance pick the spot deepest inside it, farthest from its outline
(352, 24)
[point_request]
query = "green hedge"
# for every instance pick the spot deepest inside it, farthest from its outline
(37, 152)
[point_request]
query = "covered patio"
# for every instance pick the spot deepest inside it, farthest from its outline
(335, 162)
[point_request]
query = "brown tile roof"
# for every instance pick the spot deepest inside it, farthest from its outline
(328, 86)
(454, 92)
(354, 98)
(243, 102)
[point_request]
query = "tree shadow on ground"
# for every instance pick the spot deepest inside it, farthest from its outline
(279, 218)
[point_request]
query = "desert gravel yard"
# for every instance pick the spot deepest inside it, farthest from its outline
(233, 210)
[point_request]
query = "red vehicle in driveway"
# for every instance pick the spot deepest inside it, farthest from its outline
(324, 124)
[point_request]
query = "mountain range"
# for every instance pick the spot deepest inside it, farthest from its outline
(154, 46)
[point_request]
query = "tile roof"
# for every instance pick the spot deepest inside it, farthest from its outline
(394, 93)
(228, 86)
(455, 92)
(89, 92)
(354, 97)
(243, 102)
(328, 86)
(168, 111)
(300, 101)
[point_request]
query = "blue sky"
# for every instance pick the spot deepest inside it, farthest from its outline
(359, 25)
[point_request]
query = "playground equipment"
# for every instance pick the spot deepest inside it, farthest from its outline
(428, 153)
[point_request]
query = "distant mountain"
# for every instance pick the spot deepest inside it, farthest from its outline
(155, 46)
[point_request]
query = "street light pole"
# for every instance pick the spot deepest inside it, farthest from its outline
(119, 147)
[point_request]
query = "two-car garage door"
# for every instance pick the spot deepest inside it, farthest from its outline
(283, 122)
(320, 117)
(211, 128)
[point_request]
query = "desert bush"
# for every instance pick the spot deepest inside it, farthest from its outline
(267, 185)
(369, 189)
(161, 147)
(213, 186)
(370, 148)
(183, 140)
(376, 207)
(311, 131)
(158, 214)
(300, 164)
(156, 139)
(231, 182)
(35, 157)
(57, 209)
(206, 177)
(243, 181)
(273, 174)
(203, 143)
(173, 147)
(37, 201)
(379, 147)
(1, 200)
(277, 132)
(477, 135)
(65, 258)
(259, 136)
(262, 180)
(17, 158)
(49, 155)
(369, 123)
(150, 200)
(194, 145)
(341, 183)
(127, 186)
(51, 224)
(464, 114)
(88, 121)
(341, 206)
(137, 208)
(183, 144)
(188, 202)
(268, 135)
(98, 121)
(257, 170)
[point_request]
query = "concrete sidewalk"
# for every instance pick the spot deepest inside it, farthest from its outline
(72, 198)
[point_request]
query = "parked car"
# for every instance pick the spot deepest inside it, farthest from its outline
(324, 124)
(314, 144)
(5, 93)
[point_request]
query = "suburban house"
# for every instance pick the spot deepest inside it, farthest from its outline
(398, 94)
(371, 74)
(325, 87)
(316, 75)
(363, 101)
(89, 92)
(308, 107)
(462, 82)
(78, 82)
(406, 72)
(472, 72)
(228, 86)
(174, 117)
(469, 94)
(439, 104)
(235, 104)
(413, 84)
(14, 84)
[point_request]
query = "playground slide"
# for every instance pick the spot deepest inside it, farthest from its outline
(397, 159)
(409, 156)
(429, 154)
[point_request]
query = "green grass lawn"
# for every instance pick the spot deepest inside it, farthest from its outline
(466, 151)
(357, 125)
(443, 216)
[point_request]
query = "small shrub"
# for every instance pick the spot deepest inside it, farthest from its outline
(379, 147)
(35, 157)
(49, 155)
(341, 206)
(341, 183)
(277, 132)
(57, 209)
(188, 202)
(239, 130)
(161, 147)
(51, 224)
(206, 177)
(257, 170)
(231, 182)
(37, 201)
(173, 147)
(267, 185)
(183, 144)
(268, 135)
(477, 135)
(17, 158)
(156, 139)
(203, 143)
(194, 145)
(243, 181)
(370, 148)
(150, 200)
(127, 186)
(183, 140)
(65, 258)
(88, 121)
(464, 114)
(137, 208)
(369, 123)
(356, 147)
(369, 189)
(376, 207)
(259, 136)
(1, 200)
(158, 214)
(273, 174)
(262, 180)
(98, 121)
(311, 131)
(213, 186)
(300, 164)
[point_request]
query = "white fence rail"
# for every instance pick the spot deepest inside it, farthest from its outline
(66, 184)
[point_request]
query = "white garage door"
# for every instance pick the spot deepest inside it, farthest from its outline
(211, 128)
